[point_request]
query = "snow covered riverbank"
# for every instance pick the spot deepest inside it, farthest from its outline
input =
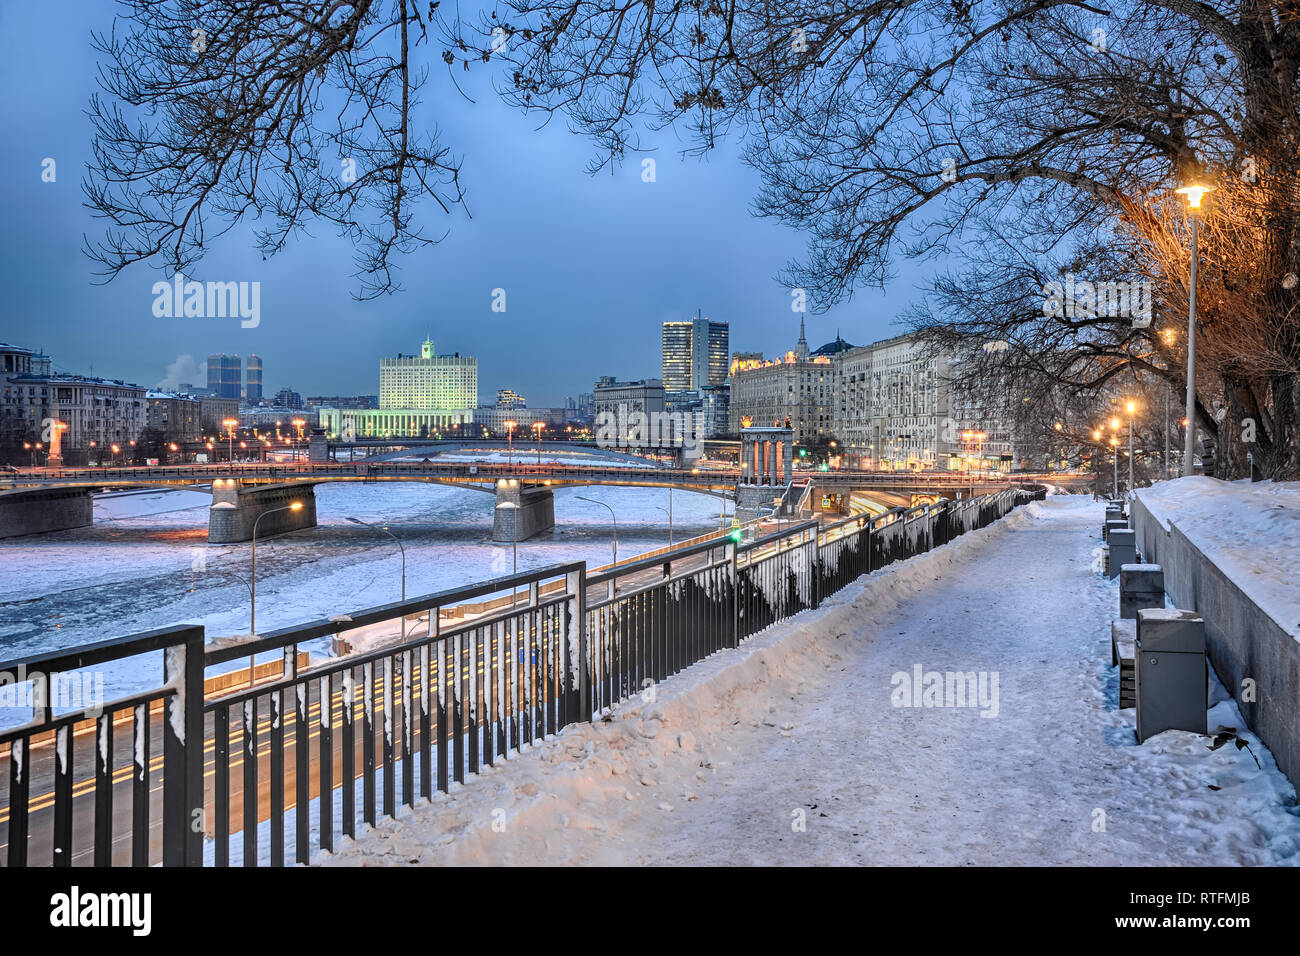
(792, 749)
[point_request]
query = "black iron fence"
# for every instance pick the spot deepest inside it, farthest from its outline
(346, 718)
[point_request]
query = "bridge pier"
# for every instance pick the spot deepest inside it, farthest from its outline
(235, 509)
(47, 509)
(318, 449)
(533, 511)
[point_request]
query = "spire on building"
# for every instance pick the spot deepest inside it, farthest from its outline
(801, 350)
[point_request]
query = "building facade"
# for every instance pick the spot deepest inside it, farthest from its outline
(428, 381)
(897, 408)
(253, 380)
(420, 396)
(794, 391)
(694, 354)
(225, 374)
(176, 416)
(213, 411)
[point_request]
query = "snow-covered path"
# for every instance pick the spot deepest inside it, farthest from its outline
(790, 750)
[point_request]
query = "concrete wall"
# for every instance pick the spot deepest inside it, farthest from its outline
(1243, 642)
(235, 509)
(54, 509)
(534, 515)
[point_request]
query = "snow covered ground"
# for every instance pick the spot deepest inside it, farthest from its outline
(790, 749)
(1228, 521)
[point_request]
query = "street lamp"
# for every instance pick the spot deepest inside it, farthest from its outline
(1193, 194)
(612, 515)
(384, 529)
(510, 443)
(539, 427)
(231, 424)
(292, 506)
(1114, 460)
(669, 512)
(1131, 407)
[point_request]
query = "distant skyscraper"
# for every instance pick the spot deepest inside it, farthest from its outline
(224, 375)
(509, 398)
(696, 353)
(253, 380)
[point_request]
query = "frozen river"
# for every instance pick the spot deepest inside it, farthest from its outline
(146, 563)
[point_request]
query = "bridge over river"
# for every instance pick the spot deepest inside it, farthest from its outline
(280, 497)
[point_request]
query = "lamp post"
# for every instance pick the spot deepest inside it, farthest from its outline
(1132, 407)
(1114, 461)
(510, 443)
(539, 427)
(1193, 194)
(231, 424)
(292, 506)
(669, 512)
(612, 515)
(384, 529)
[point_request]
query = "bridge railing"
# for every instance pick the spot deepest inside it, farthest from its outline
(301, 755)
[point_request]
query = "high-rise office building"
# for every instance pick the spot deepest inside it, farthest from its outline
(428, 380)
(419, 395)
(696, 353)
(224, 375)
(253, 380)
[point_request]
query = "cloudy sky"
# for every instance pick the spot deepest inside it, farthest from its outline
(590, 264)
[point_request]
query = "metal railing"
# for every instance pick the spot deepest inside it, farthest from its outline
(281, 766)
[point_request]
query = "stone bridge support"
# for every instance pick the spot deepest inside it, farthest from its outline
(527, 511)
(235, 508)
(50, 509)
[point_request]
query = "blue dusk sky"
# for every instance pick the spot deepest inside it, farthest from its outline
(591, 264)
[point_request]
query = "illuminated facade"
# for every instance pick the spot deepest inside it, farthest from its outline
(796, 388)
(896, 409)
(428, 381)
(694, 354)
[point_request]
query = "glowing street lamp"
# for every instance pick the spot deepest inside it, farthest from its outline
(1131, 407)
(510, 441)
(539, 427)
(1114, 459)
(231, 424)
(1193, 194)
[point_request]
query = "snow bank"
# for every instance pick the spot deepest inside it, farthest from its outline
(1251, 531)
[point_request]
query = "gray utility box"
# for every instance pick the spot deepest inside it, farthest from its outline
(1171, 675)
(1113, 524)
(1140, 585)
(1122, 543)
